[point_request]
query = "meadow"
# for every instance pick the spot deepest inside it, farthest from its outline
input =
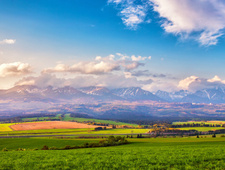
(201, 122)
(201, 129)
(71, 132)
(67, 117)
(38, 143)
(143, 153)
(41, 118)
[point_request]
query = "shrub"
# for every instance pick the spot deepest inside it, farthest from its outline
(67, 147)
(53, 148)
(111, 139)
(102, 141)
(93, 145)
(4, 149)
(85, 145)
(118, 138)
(44, 147)
(21, 149)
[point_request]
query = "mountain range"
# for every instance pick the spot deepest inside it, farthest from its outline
(211, 95)
(94, 93)
(28, 93)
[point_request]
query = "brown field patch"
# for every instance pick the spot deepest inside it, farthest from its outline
(51, 125)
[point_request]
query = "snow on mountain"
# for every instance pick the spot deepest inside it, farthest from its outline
(96, 93)
(135, 93)
(172, 96)
(212, 95)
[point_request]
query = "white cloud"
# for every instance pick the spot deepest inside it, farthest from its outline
(127, 74)
(122, 56)
(115, 1)
(101, 65)
(159, 84)
(184, 84)
(98, 58)
(194, 83)
(14, 69)
(85, 68)
(112, 81)
(205, 17)
(139, 58)
(8, 41)
(215, 79)
(129, 65)
(202, 20)
(132, 14)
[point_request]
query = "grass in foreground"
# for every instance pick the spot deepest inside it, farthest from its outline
(159, 153)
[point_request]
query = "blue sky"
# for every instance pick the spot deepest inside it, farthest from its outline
(47, 34)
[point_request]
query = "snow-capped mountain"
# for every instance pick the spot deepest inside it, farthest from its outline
(100, 93)
(211, 95)
(135, 93)
(34, 93)
(172, 96)
(95, 90)
(164, 95)
(96, 93)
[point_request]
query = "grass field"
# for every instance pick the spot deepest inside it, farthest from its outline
(199, 122)
(71, 131)
(40, 118)
(201, 129)
(68, 118)
(38, 143)
(154, 153)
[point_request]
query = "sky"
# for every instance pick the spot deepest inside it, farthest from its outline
(152, 44)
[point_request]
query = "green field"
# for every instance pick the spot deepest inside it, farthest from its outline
(71, 132)
(154, 153)
(201, 122)
(201, 129)
(40, 118)
(68, 118)
(38, 143)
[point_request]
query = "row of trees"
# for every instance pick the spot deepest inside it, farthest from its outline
(196, 125)
(111, 141)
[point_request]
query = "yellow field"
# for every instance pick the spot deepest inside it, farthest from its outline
(5, 127)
